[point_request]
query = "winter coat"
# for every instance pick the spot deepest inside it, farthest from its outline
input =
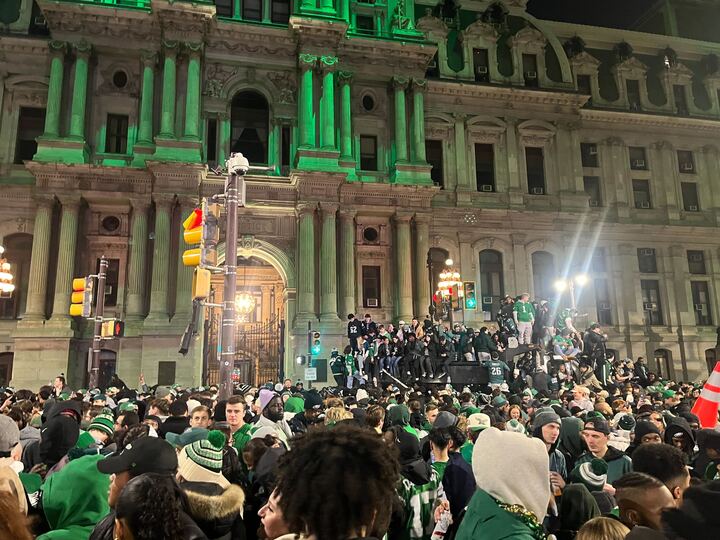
(458, 483)
(174, 424)
(618, 463)
(60, 433)
(570, 442)
(29, 434)
(217, 511)
(485, 520)
(264, 426)
(104, 530)
(483, 343)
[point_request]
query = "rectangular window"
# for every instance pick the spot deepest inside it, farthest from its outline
(647, 262)
(280, 11)
(598, 262)
(584, 83)
(480, 65)
(368, 153)
(371, 286)
(365, 24)
(31, 124)
(285, 134)
(638, 159)
(690, 196)
(224, 8)
(252, 10)
(641, 194)
(211, 140)
(485, 167)
(535, 170)
(602, 301)
(686, 161)
(651, 302)
(166, 373)
(434, 156)
(530, 70)
(432, 69)
(680, 96)
(696, 262)
(589, 154)
(592, 190)
(116, 134)
(633, 93)
(112, 279)
(701, 303)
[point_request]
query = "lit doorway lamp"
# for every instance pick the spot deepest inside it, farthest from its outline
(449, 287)
(6, 278)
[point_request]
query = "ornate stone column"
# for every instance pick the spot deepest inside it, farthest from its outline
(328, 264)
(422, 246)
(418, 119)
(327, 102)
(37, 285)
(306, 116)
(138, 262)
(346, 151)
(149, 58)
(192, 94)
(306, 262)
(66, 256)
(161, 256)
(54, 98)
(464, 181)
(224, 139)
(79, 99)
(399, 85)
(183, 283)
(167, 115)
(403, 266)
(346, 267)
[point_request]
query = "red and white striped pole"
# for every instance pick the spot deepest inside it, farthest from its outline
(706, 406)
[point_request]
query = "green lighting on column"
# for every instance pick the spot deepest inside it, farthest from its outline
(224, 139)
(306, 260)
(399, 86)
(418, 119)
(192, 100)
(327, 103)
(345, 116)
(305, 103)
(77, 114)
(167, 115)
(54, 99)
(146, 98)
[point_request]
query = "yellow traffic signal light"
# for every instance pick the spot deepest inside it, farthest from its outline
(81, 299)
(192, 234)
(202, 227)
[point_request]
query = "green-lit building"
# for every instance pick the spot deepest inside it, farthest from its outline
(398, 133)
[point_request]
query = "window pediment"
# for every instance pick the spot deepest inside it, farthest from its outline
(632, 67)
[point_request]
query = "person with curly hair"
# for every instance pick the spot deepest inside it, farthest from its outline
(354, 504)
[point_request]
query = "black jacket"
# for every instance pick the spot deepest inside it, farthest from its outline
(215, 510)
(105, 528)
(60, 432)
(458, 483)
(174, 424)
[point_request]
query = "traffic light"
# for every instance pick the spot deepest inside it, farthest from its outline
(202, 227)
(112, 328)
(201, 284)
(315, 348)
(469, 292)
(81, 299)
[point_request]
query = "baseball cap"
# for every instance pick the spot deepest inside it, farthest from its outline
(144, 455)
(597, 424)
(478, 422)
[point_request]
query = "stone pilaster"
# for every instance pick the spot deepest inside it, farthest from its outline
(346, 267)
(403, 267)
(183, 284)
(79, 99)
(399, 85)
(328, 264)
(161, 256)
(327, 102)
(306, 115)
(54, 100)
(418, 120)
(66, 257)
(37, 285)
(422, 246)
(167, 115)
(223, 139)
(346, 152)
(192, 93)
(135, 308)
(306, 263)
(149, 59)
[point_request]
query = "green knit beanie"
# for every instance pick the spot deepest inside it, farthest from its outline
(208, 452)
(104, 423)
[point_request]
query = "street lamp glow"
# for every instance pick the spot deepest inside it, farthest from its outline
(561, 285)
(448, 262)
(581, 279)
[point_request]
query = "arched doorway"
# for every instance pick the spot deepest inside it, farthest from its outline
(249, 120)
(260, 332)
(436, 261)
(543, 268)
(663, 363)
(492, 282)
(18, 249)
(710, 359)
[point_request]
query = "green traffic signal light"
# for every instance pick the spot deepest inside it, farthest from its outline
(315, 349)
(471, 303)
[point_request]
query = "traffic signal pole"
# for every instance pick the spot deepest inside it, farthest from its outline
(97, 329)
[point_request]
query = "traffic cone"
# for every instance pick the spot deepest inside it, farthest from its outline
(706, 406)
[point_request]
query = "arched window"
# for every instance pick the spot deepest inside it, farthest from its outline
(492, 283)
(663, 363)
(543, 268)
(710, 359)
(18, 249)
(249, 119)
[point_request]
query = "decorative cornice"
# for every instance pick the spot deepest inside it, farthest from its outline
(649, 122)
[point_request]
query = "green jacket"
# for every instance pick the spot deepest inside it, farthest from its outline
(618, 463)
(241, 438)
(485, 520)
(75, 499)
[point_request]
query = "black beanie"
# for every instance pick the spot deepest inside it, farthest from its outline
(643, 428)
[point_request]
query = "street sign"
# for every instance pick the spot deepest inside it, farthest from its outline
(311, 374)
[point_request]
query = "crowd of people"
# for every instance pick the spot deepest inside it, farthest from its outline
(607, 451)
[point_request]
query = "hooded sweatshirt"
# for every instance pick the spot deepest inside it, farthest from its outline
(618, 463)
(570, 442)
(525, 484)
(60, 432)
(75, 499)
(680, 425)
(576, 507)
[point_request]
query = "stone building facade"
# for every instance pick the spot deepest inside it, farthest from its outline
(526, 150)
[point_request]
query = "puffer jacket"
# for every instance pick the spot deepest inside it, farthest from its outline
(217, 511)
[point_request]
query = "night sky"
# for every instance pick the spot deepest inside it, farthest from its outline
(607, 13)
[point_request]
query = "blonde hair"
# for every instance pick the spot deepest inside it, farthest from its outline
(582, 389)
(335, 414)
(602, 528)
